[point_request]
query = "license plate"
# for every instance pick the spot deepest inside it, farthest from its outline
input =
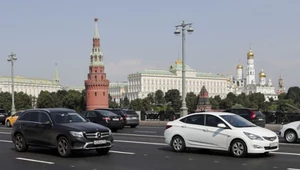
(134, 117)
(99, 142)
(260, 119)
(115, 119)
(273, 144)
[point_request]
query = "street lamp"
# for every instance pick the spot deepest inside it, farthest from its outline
(183, 109)
(11, 58)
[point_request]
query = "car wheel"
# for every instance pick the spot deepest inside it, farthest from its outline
(290, 136)
(103, 151)
(8, 124)
(20, 143)
(238, 148)
(63, 147)
(178, 144)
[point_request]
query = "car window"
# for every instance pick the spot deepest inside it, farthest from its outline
(106, 113)
(195, 119)
(237, 121)
(118, 112)
(258, 113)
(66, 117)
(44, 117)
(213, 121)
(30, 116)
(130, 112)
(91, 114)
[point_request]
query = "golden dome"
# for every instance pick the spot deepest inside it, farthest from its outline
(178, 61)
(262, 74)
(239, 67)
(250, 54)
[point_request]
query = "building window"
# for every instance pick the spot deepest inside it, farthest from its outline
(95, 93)
(96, 78)
(103, 93)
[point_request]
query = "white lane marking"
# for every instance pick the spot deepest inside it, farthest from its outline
(126, 153)
(5, 133)
(137, 135)
(142, 131)
(151, 127)
(290, 144)
(292, 169)
(6, 141)
(35, 160)
(139, 142)
(286, 153)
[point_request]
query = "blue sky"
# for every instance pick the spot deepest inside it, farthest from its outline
(138, 34)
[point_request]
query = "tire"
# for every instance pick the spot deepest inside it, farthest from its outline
(238, 148)
(178, 144)
(20, 143)
(8, 124)
(103, 151)
(63, 147)
(290, 136)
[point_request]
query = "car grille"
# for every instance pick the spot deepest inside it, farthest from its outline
(270, 138)
(270, 148)
(96, 135)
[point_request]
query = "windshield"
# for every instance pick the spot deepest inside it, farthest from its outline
(118, 112)
(237, 121)
(107, 113)
(130, 112)
(64, 117)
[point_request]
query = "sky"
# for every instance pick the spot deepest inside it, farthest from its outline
(137, 34)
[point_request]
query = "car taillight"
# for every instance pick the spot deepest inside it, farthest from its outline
(121, 118)
(168, 126)
(106, 118)
(252, 115)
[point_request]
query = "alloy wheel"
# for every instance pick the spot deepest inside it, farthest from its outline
(178, 144)
(238, 149)
(63, 147)
(20, 143)
(290, 136)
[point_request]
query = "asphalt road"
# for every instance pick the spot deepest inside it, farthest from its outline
(142, 148)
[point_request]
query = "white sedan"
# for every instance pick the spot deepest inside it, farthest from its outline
(290, 132)
(220, 131)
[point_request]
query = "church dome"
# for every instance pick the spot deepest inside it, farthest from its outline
(239, 66)
(262, 74)
(250, 55)
(178, 61)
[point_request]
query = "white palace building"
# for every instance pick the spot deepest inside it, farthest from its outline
(30, 86)
(142, 83)
(248, 84)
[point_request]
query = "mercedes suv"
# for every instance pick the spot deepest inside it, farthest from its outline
(59, 128)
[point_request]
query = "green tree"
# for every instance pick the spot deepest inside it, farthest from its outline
(22, 101)
(191, 102)
(137, 104)
(72, 100)
(83, 100)
(173, 96)
(125, 102)
(151, 98)
(214, 103)
(5, 101)
(293, 94)
(159, 97)
(45, 100)
(146, 104)
(112, 103)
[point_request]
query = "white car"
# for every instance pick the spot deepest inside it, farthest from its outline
(290, 132)
(220, 131)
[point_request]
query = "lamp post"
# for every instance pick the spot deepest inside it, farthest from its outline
(11, 58)
(183, 109)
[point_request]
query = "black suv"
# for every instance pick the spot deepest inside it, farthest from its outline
(59, 128)
(253, 115)
(130, 117)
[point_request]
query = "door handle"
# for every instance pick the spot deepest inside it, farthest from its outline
(205, 130)
(183, 126)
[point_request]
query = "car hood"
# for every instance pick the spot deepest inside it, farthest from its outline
(85, 126)
(259, 131)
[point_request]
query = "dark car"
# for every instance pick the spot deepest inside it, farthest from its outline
(130, 117)
(59, 128)
(253, 115)
(117, 112)
(105, 118)
(3, 116)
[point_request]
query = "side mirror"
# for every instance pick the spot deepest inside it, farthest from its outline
(221, 125)
(47, 123)
(88, 120)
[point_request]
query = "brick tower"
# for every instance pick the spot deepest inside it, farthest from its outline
(203, 102)
(96, 85)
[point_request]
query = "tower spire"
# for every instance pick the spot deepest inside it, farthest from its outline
(96, 32)
(56, 77)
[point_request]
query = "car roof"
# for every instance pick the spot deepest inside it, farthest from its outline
(50, 110)
(212, 113)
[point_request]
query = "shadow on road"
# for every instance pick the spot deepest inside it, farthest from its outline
(215, 153)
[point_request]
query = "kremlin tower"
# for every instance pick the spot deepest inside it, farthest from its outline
(97, 86)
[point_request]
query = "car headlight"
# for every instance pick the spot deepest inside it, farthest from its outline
(76, 134)
(252, 136)
(109, 131)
